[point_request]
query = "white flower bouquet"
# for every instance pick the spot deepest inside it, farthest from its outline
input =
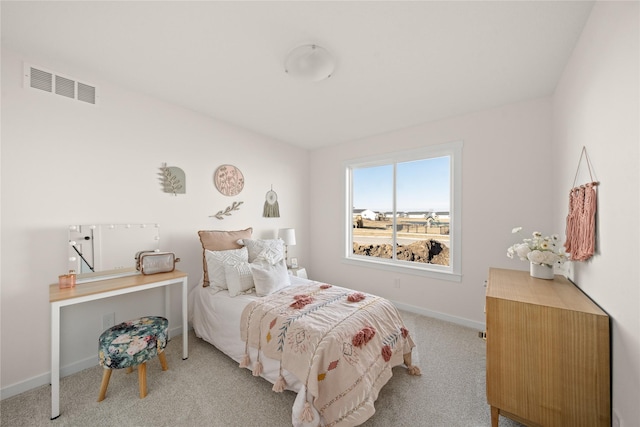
(538, 249)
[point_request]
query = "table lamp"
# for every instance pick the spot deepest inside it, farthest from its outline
(288, 236)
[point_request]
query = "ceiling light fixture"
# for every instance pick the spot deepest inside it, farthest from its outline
(310, 62)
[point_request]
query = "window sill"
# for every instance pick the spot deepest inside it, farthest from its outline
(387, 266)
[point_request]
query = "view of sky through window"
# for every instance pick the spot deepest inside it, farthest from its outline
(422, 185)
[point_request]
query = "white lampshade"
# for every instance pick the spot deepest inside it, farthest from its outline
(288, 235)
(310, 62)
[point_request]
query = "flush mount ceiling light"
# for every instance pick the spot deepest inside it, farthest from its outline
(310, 62)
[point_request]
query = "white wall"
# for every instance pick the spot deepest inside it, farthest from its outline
(506, 182)
(596, 106)
(519, 162)
(66, 162)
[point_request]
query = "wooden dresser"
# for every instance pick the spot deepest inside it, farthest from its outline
(547, 352)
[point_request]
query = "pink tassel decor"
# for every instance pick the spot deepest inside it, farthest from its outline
(414, 370)
(358, 339)
(369, 332)
(355, 297)
(257, 369)
(301, 301)
(581, 222)
(363, 336)
(307, 414)
(244, 363)
(279, 385)
(386, 353)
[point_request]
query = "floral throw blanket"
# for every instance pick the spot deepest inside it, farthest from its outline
(341, 344)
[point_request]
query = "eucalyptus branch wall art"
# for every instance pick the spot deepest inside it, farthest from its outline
(227, 212)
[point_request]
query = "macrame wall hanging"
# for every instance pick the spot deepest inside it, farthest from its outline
(271, 208)
(581, 220)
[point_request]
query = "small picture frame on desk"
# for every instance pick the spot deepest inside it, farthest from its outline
(294, 262)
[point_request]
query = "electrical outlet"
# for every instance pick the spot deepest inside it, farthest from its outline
(108, 320)
(396, 283)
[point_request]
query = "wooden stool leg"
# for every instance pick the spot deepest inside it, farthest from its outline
(106, 374)
(163, 361)
(142, 379)
(129, 369)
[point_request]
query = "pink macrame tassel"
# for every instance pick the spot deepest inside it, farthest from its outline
(356, 296)
(245, 361)
(414, 370)
(363, 336)
(588, 221)
(280, 385)
(257, 369)
(386, 353)
(307, 414)
(571, 221)
(581, 222)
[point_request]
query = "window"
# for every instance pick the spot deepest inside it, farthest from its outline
(403, 211)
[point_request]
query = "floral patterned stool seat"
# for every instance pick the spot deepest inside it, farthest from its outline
(131, 344)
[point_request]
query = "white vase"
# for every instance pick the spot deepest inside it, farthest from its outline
(541, 271)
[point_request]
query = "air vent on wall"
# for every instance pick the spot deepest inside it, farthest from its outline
(65, 87)
(41, 79)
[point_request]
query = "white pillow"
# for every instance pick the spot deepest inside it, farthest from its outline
(215, 265)
(239, 278)
(269, 278)
(271, 250)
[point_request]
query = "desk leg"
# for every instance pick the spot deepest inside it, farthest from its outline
(167, 309)
(185, 326)
(55, 361)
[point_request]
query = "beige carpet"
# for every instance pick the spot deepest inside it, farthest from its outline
(209, 389)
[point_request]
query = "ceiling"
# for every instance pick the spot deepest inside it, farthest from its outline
(399, 64)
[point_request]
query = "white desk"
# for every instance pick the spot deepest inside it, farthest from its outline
(92, 291)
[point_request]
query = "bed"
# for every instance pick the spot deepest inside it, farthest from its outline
(333, 346)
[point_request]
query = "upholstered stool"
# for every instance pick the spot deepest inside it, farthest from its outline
(131, 344)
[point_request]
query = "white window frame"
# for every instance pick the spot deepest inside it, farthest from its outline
(452, 272)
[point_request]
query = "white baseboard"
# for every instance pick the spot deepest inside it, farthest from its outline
(480, 326)
(92, 361)
(67, 370)
(45, 378)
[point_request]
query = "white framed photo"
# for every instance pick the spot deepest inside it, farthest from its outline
(294, 262)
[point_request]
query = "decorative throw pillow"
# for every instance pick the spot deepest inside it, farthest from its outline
(269, 278)
(216, 240)
(271, 250)
(239, 278)
(216, 261)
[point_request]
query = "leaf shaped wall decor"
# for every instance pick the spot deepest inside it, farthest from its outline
(173, 179)
(227, 212)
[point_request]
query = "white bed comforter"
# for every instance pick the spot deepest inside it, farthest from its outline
(216, 318)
